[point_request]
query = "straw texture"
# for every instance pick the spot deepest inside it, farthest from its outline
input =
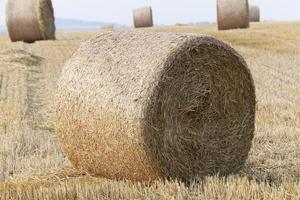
(30, 20)
(18, 69)
(142, 17)
(254, 14)
(232, 14)
(143, 106)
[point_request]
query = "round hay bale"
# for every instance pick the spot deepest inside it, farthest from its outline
(181, 24)
(30, 20)
(232, 14)
(107, 27)
(141, 106)
(142, 17)
(254, 14)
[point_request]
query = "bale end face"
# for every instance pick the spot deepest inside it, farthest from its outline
(46, 19)
(178, 106)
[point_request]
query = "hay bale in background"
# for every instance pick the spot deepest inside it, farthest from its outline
(30, 20)
(178, 106)
(142, 17)
(232, 14)
(254, 14)
(180, 24)
(107, 27)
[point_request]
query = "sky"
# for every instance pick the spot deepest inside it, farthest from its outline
(164, 11)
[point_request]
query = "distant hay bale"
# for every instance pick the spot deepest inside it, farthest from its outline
(232, 14)
(142, 106)
(107, 27)
(181, 24)
(30, 20)
(254, 14)
(142, 17)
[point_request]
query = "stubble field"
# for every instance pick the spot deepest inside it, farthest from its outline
(32, 165)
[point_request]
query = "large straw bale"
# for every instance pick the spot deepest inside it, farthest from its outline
(143, 106)
(254, 14)
(142, 17)
(30, 20)
(232, 14)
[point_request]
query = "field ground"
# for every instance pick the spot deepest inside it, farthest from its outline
(32, 165)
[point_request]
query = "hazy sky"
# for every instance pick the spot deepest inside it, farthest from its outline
(164, 11)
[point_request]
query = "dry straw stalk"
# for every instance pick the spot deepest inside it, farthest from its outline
(142, 17)
(176, 106)
(232, 14)
(30, 20)
(254, 14)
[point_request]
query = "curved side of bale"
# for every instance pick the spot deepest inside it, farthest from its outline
(254, 14)
(177, 106)
(232, 14)
(142, 17)
(30, 20)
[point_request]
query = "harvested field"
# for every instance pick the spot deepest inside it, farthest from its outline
(19, 89)
(31, 162)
